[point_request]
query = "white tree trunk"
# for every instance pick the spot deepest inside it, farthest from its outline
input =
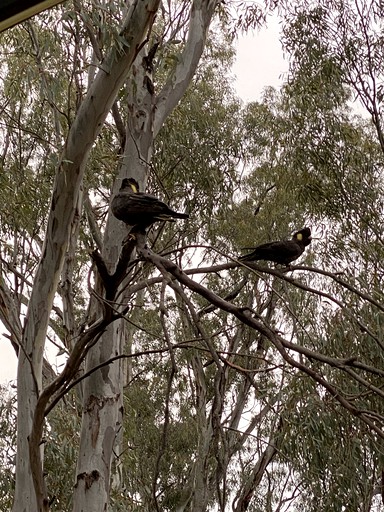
(103, 389)
(101, 418)
(84, 130)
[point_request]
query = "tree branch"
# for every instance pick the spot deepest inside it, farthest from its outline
(278, 341)
(177, 83)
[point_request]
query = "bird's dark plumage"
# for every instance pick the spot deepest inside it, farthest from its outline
(136, 208)
(284, 251)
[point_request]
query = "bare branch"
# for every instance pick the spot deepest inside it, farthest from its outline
(279, 342)
(177, 83)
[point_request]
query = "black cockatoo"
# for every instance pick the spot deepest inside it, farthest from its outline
(136, 208)
(284, 251)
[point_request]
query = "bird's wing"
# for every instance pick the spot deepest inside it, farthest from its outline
(158, 207)
(274, 251)
(261, 250)
(280, 252)
(147, 202)
(128, 203)
(284, 246)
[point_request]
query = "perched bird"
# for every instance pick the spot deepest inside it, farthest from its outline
(284, 251)
(138, 209)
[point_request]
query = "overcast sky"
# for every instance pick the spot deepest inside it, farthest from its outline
(259, 64)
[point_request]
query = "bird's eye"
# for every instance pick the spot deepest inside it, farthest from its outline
(299, 236)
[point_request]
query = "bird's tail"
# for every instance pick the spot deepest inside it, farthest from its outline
(179, 215)
(171, 216)
(253, 256)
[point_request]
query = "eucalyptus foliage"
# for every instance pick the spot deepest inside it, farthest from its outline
(270, 399)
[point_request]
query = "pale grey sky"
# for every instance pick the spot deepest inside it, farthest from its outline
(259, 63)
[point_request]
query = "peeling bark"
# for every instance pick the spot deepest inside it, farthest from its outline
(99, 425)
(147, 115)
(87, 125)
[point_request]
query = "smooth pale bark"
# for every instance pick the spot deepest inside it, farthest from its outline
(86, 127)
(103, 390)
(178, 81)
(100, 425)
(199, 484)
(253, 481)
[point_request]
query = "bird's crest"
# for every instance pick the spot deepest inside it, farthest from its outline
(134, 185)
(130, 183)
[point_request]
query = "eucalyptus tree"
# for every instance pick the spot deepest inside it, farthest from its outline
(91, 51)
(109, 62)
(329, 177)
(200, 384)
(312, 147)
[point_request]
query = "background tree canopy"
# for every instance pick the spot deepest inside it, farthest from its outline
(191, 382)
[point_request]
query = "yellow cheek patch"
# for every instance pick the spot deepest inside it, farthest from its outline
(299, 236)
(133, 188)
